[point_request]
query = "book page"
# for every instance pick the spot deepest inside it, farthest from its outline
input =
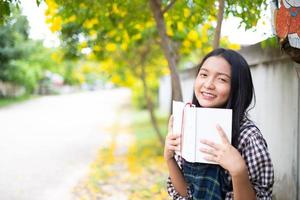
(207, 119)
(199, 123)
(189, 134)
(177, 108)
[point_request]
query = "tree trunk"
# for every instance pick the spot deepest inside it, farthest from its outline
(150, 106)
(219, 24)
(169, 53)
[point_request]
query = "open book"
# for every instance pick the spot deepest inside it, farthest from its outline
(194, 124)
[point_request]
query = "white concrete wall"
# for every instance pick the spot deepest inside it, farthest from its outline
(276, 113)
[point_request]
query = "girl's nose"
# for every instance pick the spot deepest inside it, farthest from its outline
(209, 84)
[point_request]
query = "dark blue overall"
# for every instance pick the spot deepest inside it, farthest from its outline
(206, 181)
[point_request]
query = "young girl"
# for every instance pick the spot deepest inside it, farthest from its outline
(244, 169)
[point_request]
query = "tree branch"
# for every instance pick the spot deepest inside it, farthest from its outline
(217, 35)
(168, 6)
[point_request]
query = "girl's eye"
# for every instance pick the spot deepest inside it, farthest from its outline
(223, 80)
(202, 75)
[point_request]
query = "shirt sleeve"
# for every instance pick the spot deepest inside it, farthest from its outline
(171, 189)
(260, 167)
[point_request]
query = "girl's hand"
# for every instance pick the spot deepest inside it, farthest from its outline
(224, 154)
(172, 142)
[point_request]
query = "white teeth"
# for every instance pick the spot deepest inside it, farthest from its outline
(207, 94)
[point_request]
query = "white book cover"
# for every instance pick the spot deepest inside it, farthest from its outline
(194, 124)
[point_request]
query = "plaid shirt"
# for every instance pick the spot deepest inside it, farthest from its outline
(253, 148)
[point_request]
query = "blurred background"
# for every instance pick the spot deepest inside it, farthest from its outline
(86, 90)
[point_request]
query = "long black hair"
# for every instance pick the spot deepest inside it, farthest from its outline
(241, 92)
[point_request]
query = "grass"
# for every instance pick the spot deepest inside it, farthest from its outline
(142, 126)
(13, 100)
(140, 173)
(148, 154)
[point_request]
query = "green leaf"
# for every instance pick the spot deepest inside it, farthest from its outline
(4, 10)
(38, 2)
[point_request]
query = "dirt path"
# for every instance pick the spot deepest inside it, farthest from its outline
(47, 144)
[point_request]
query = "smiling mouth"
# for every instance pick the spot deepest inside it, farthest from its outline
(208, 95)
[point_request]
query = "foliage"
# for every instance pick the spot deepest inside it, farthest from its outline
(14, 32)
(249, 11)
(12, 100)
(105, 26)
(138, 98)
(270, 42)
(6, 8)
(120, 33)
(25, 61)
(15, 46)
(29, 67)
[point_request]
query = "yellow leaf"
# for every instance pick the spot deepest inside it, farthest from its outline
(122, 13)
(86, 68)
(112, 33)
(193, 19)
(89, 23)
(169, 24)
(91, 56)
(186, 12)
(192, 35)
(186, 43)
(124, 46)
(164, 62)
(139, 27)
(212, 18)
(51, 4)
(93, 34)
(125, 37)
(120, 26)
(82, 5)
(56, 24)
(198, 44)
(170, 32)
(180, 26)
(115, 8)
(79, 77)
(149, 24)
(208, 49)
(83, 45)
(154, 189)
(206, 26)
(111, 47)
(56, 57)
(70, 19)
(137, 36)
(234, 46)
(97, 48)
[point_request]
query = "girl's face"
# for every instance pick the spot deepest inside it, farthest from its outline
(212, 85)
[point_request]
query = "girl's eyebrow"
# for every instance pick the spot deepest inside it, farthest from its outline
(224, 75)
(219, 73)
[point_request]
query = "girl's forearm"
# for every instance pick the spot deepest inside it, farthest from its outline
(242, 187)
(177, 177)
